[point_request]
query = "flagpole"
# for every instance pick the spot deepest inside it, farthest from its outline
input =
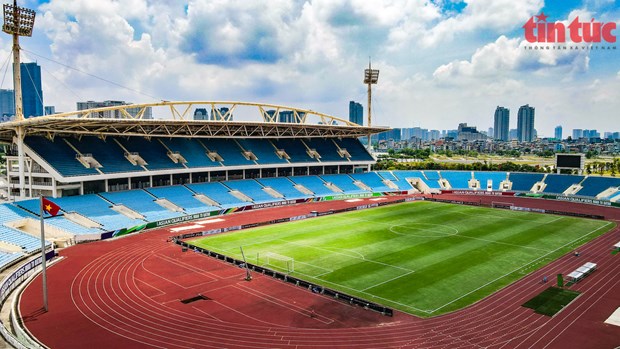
(43, 264)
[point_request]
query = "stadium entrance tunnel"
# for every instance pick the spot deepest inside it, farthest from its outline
(199, 297)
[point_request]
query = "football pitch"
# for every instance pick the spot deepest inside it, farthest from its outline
(423, 258)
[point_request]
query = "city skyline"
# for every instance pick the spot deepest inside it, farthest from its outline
(441, 63)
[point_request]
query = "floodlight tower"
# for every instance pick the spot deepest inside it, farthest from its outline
(18, 21)
(371, 76)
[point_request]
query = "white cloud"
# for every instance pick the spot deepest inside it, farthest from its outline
(483, 15)
(437, 67)
(507, 57)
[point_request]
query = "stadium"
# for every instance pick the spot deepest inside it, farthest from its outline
(133, 226)
(179, 233)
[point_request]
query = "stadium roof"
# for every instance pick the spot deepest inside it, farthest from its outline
(130, 122)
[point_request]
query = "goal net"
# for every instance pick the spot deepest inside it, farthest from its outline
(279, 262)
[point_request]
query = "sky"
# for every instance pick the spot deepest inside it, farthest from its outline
(441, 62)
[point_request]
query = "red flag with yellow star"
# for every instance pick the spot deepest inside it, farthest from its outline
(50, 207)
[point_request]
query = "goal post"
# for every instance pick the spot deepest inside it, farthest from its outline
(279, 262)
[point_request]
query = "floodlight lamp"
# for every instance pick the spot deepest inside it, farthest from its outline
(371, 76)
(18, 20)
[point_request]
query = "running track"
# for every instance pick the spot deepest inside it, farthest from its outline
(126, 293)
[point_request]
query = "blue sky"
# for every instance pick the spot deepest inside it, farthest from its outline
(442, 62)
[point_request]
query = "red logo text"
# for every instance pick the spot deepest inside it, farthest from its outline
(540, 30)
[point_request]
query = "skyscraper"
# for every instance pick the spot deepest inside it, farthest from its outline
(525, 123)
(558, 132)
(577, 133)
(113, 114)
(500, 126)
(201, 114)
(32, 94)
(7, 104)
(356, 113)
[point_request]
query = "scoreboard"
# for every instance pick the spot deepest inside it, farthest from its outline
(570, 161)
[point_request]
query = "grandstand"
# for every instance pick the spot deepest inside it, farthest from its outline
(496, 179)
(282, 185)
(401, 183)
(593, 186)
(314, 184)
(524, 181)
(457, 179)
(558, 184)
(108, 175)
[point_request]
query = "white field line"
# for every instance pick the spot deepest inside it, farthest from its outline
(517, 269)
(345, 254)
(501, 243)
(457, 234)
(386, 281)
(369, 294)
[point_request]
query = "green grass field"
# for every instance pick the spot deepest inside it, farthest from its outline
(423, 258)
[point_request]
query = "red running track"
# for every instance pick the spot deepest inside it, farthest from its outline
(126, 293)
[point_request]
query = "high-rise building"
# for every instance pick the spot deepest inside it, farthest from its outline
(201, 114)
(356, 113)
(7, 104)
(112, 114)
(32, 94)
(286, 116)
(469, 133)
(525, 123)
(49, 109)
(220, 114)
(513, 134)
(577, 133)
(558, 132)
(500, 126)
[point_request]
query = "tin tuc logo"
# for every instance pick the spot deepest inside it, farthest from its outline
(540, 30)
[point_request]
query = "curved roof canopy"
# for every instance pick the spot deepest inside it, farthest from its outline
(175, 119)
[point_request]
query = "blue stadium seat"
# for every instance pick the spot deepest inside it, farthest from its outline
(153, 152)
(326, 149)
(372, 180)
(27, 243)
(252, 189)
(228, 150)
(141, 202)
(344, 182)
(264, 151)
(524, 181)
(217, 192)
(91, 206)
(59, 155)
(192, 151)
(7, 258)
(314, 184)
(457, 179)
(433, 184)
(355, 148)
(107, 153)
(284, 186)
(592, 185)
(557, 183)
(182, 197)
(496, 177)
(295, 149)
(400, 182)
